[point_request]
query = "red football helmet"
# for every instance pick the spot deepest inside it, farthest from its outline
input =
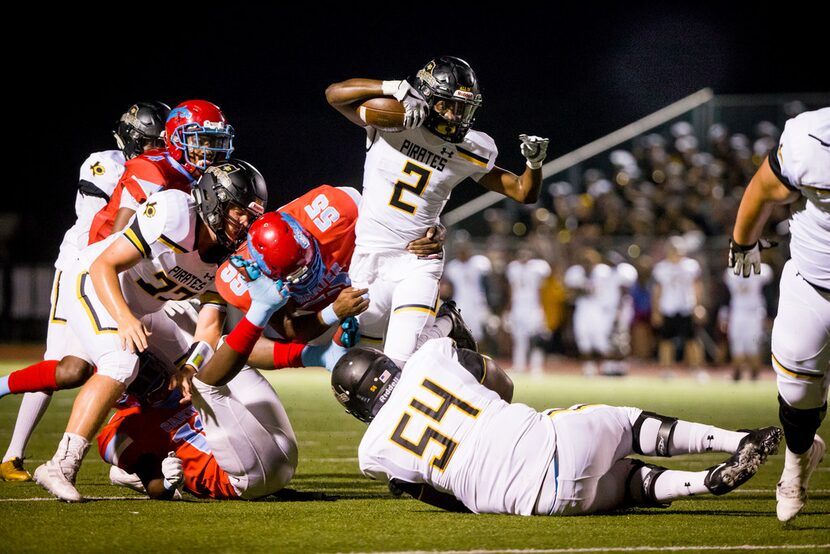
(197, 134)
(283, 249)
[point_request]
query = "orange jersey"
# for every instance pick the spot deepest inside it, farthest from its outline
(138, 431)
(329, 214)
(148, 173)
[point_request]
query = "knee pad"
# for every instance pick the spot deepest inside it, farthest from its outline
(800, 426)
(639, 485)
(653, 427)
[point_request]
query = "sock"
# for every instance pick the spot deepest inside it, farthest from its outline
(4, 386)
(70, 453)
(438, 330)
(794, 465)
(36, 377)
(32, 408)
(694, 438)
(671, 484)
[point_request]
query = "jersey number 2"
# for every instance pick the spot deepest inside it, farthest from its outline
(416, 189)
(321, 213)
(448, 400)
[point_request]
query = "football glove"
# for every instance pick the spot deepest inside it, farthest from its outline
(267, 295)
(171, 468)
(413, 102)
(322, 356)
(743, 259)
(534, 149)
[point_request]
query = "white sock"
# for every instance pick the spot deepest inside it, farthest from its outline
(73, 446)
(438, 330)
(32, 408)
(4, 386)
(673, 484)
(694, 438)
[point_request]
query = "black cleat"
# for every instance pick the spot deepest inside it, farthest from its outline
(460, 333)
(742, 465)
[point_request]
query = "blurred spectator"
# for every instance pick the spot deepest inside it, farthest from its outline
(745, 319)
(467, 273)
(526, 275)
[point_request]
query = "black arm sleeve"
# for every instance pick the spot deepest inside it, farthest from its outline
(425, 493)
(88, 189)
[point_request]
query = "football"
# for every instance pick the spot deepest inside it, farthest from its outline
(385, 114)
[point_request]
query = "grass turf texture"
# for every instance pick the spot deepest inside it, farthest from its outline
(366, 518)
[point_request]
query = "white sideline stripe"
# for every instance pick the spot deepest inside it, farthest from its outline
(616, 549)
(772, 489)
(45, 498)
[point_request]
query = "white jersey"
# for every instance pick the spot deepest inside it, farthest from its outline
(467, 278)
(99, 176)
(526, 283)
(442, 428)
(802, 162)
(677, 290)
(164, 232)
(408, 178)
(746, 296)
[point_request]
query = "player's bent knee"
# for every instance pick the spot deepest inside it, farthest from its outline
(72, 372)
(802, 394)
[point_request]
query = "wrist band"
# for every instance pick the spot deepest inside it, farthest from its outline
(389, 88)
(328, 316)
(534, 165)
(200, 352)
(288, 354)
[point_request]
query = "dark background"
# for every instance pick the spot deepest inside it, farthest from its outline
(570, 73)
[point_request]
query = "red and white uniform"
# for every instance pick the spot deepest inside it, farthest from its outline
(137, 431)
(142, 176)
(329, 214)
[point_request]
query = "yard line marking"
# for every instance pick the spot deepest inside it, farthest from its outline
(617, 549)
(772, 489)
(45, 498)
(329, 460)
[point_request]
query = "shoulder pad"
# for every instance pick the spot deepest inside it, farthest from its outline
(804, 150)
(166, 213)
(101, 170)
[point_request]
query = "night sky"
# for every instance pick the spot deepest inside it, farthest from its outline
(572, 74)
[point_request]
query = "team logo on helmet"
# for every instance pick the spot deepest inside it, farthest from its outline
(180, 112)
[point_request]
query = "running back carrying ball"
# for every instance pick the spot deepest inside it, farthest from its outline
(386, 114)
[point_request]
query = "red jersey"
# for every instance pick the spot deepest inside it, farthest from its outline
(143, 175)
(329, 214)
(137, 431)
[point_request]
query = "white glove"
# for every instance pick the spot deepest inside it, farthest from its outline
(267, 295)
(534, 149)
(743, 259)
(413, 102)
(171, 468)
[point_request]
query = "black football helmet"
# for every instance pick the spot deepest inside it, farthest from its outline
(362, 381)
(141, 125)
(150, 384)
(450, 87)
(229, 183)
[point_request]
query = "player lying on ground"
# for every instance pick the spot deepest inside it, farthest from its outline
(234, 442)
(437, 433)
(798, 168)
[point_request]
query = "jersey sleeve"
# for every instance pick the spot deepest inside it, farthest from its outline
(165, 216)
(480, 150)
(99, 175)
(803, 154)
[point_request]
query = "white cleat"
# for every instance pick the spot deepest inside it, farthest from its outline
(791, 492)
(51, 477)
(121, 478)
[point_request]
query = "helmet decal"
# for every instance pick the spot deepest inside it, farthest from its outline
(180, 111)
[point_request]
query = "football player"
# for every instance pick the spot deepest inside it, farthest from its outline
(169, 252)
(526, 274)
(436, 432)
(798, 169)
(745, 319)
(139, 130)
(308, 244)
(233, 442)
(408, 178)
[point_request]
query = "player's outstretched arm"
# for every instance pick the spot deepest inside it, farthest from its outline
(522, 188)
(764, 192)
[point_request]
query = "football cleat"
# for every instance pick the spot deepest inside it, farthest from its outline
(460, 333)
(791, 491)
(743, 464)
(51, 477)
(13, 470)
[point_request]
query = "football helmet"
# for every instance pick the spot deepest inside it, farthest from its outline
(451, 89)
(283, 249)
(224, 185)
(141, 128)
(150, 387)
(198, 134)
(362, 381)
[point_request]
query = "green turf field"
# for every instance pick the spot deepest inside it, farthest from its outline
(367, 519)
